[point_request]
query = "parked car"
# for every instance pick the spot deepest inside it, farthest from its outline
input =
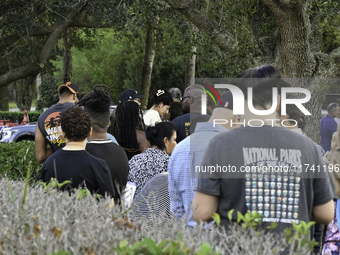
(17, 133)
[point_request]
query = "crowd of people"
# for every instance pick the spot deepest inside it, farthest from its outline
(179, 159)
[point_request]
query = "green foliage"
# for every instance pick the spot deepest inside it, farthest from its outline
(150, 247)
(53, 184)
(18, 116)
(328, 13)
(16, 159)
(249, 219)
(48, 92)
(117, 61)
(216, 217)
(298, 237)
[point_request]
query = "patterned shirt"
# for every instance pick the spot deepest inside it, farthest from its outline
(332, 235)
(186, 155)
(145, 165)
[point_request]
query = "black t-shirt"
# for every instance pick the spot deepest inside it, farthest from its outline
(50, 126)
(81, 168)
(116, 159)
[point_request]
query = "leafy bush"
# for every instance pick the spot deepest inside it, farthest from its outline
(52, 222)
(17, 158)
(18, 116)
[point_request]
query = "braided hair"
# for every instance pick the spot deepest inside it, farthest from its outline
(127, 118)
(97, 104)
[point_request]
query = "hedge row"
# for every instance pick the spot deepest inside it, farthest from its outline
(51, 222)
(17, 158)
(18, 116)
(43, 220)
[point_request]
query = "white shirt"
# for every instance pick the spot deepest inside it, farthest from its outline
(151, 117)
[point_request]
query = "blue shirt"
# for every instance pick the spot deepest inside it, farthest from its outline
(186, 155)
(328, 127)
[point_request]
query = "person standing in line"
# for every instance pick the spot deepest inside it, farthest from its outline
(130, 95)
(189, 153)
(280, 196)
(155, 159)
(191, 106)
(48, 137)
(129, 129)
(97, 104)
(161, 104)
(73, 163)
(329, 126)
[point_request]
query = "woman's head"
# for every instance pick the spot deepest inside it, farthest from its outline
(162, 100)
(163, 135)
(75, 124)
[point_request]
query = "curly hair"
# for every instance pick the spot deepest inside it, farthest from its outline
(127, 118)
(76, 124)
(97, 104)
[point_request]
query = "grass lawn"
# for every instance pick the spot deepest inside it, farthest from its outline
(12, 104)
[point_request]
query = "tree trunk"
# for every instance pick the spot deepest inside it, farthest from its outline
(148, 60)
(190, 67)
(67, 60)
(294, 25)
(4, 99)
(24, 91)
(38, 79)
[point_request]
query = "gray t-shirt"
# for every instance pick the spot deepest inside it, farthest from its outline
(280, 182)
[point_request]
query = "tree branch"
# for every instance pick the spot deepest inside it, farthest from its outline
(223, 39)
(34, 68)
(273, 6)
(7, 41)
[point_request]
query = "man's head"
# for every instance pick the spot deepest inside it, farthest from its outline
(75, 124)
(192, 97)
(69, 92)
(262, 91)
(224, 114)
(97, 104)
(130, 95)
(332, 109)
(175, 93)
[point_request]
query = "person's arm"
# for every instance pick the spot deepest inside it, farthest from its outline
(204, 206)
(142, 141)
(323, 213)
(41, 150)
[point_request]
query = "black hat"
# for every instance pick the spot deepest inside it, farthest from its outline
(128, 94)
(73, 88)
(227, 100)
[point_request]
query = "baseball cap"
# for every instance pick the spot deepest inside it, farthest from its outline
(128, 94)
(73, 88)
(227, 100)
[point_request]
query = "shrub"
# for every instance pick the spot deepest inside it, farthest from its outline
(58, 223)
(18, 116)
(17, 158)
